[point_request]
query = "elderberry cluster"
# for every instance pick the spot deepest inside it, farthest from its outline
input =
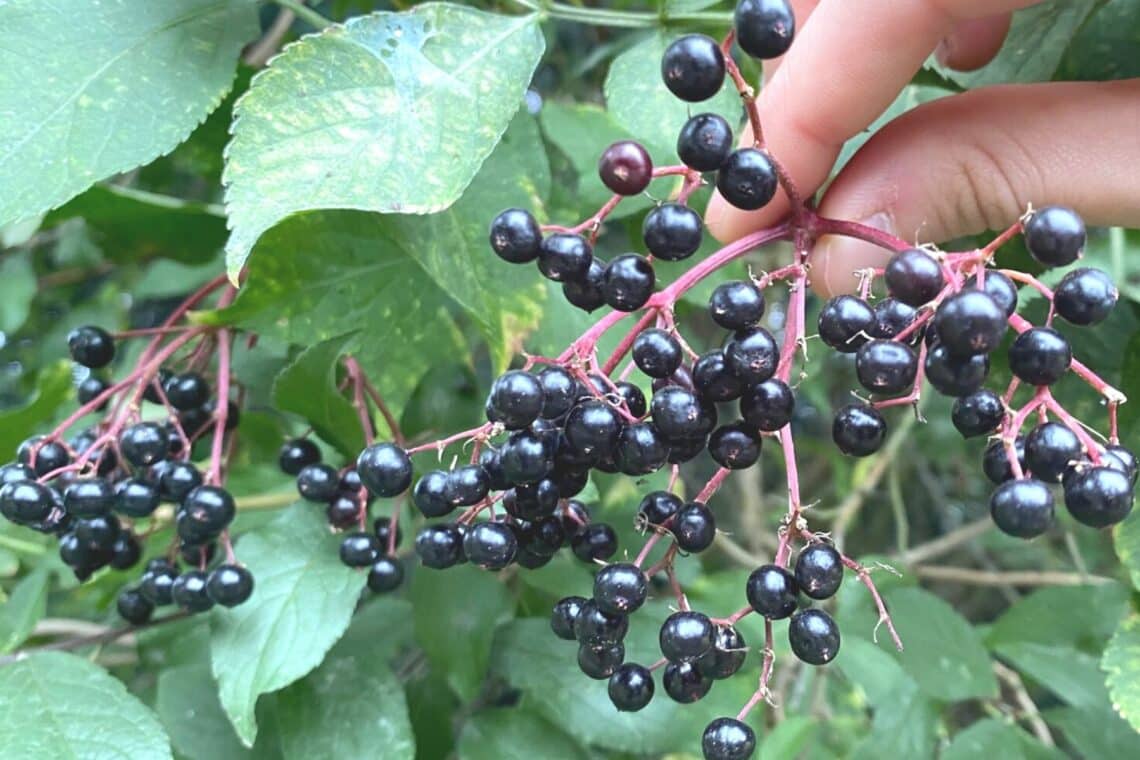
(98, 491)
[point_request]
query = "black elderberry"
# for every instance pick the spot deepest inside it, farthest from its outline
(1022, 508)
(640, 449)
(764, 28)
(752, 354)
(565, 257)
(726, 656)
(491, 546)
(955, 376)
(439, 546)
(525, 457)
(979, 413)
(1055, 236)
(914, 277)
(735, 446)
(544, 537)
(89, 497)
(384, 469)
(1099, 496)
(515, 236)
(516, 396)
(768, 406)
(531, 501)
(1001, 289)
(633, 398)
(846, 323)
(593, 427)
(229, 585)
(713, 380)
(133, 607)
(600, 662)
(1049, 449)
(90, 389)
(318, 483)
(136, 498)
(559, 392)
(386, 574)
(1085, 296)
(892, 317)
(747, 179)
(205, 513)
(631, 687)
(177, 480)
(705, 142)
(685, 636)
(736, 305)
(693, 527)
(620, 588)
(564, 615)
(296, 454)
(625, 167)
(343, 512)
(157, 582)
(187, 391)
(596, 628)
(886, 366)
(672, 232)
(657, 507)
(814, 636)
(467, 485)
(143, 444)
(1127, 459)
(686, 449)
(858, 430)
(970, 323)
(587, 293)
(97, 534)
(596, 541)
(1040, 356)
(430, 494)
(359, 549)
(91, 346)
(819, 571)
(43, 456)
(125, 552)
(693, 67)
(771, 590)
(628, 283)
(684, 683)
(382, 527)
(656, 352)
(995, 460)
(189, 591)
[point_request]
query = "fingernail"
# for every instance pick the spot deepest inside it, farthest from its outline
(836, 260)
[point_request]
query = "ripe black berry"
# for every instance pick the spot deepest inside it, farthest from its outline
(631, 687)
(684, 683)
(633, 398)
(736, 305)
(735, 446)
(858, 430)
(229, 585)
(679, 414)
(136, 498)
(386, 574)
(814, 637)
(133, 607)
(969, 323)
(768, 406)
(177, 480)
(596, 541)
(439, 546)
(747, 179)
(628, 282)
(205, 513)
(489, 545)
(641, 449)
(26, 501)
(599, 662)
(143, 444)
(187, 391)
(515, 236)
(914, 277)
(430, 494)
(467, 485)
(318, 483)
(656, 507)
(384, 469)
(693, 68)
(752, 354)
(158, 581)
(1127, 459)
(979, 413)
(43, 456)
(543, 537)
(1001, 289)
(1049, 449)
(516, 398)
(656, 352)
(819, 571)
(771, 590)
(90, 389)
(91, 346)
(586, 293)
(713, 380)
(694, 527)
(620, 588)
(565, 257)
(686, 449)
(594, 627)
(592, 428)
(625, 167)
(892, 316)
(1040, 356)
(685, 636)
(1099, 496)
(726, 656)
(563, 616)
(297, 454)
(1022, 508)
(559, 392)
(359, 549)
(995, 460)
(189, 592)
(343, 512)
(125, 552)
(531, 501)
(728, 738)
(1085, 296)
(525, 457)
(886, 366)
(955, 376)
(89, 497)
(672, 232)
(845, 323)
(705, 142)
(1055, 236)
(764, 29)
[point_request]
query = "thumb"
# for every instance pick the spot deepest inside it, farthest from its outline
(971, 162)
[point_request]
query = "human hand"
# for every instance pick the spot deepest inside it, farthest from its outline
(955, 166)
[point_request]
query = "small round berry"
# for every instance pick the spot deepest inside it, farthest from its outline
(629, 282)
(845, 323)
(892, 317)
(886, 366)
(204, 514)
(641, 449)
(318, 483)
(814, 637)
(694, 527)
(620, 588)
(564, 614)
(1022, 508)
(559, 392)
(386, 574)
(489, 545)
(771, 590)
(819, 571)
(565, 257)
(26, 501)
(42, 455)
(672, 232)
(752, 354)
(439, 546)
(600, 662)
(89, 497)
(384, 469)
(858, 430)
(189, 591)
(656, 352)
(516, 396)
(158, 581)
(728, 738)
(747, 179)
(736, 305)
(595, 628)
(713, 380)
(587, 293)
(91, 346)
(1049, 450)
(726, 656)
(531, 501)
(631, 687)
(230, 585)
(953, 375)
(467, 485)
(525, 457)
(684, 683)
(1055, 236)
(768, 406)
(625, 167)
(143, 444)
(297, 454)
(693, 67)
(979, 413)
(430, 495)
(90, 389)
(685, 450)
(735, 446)
(177, 480)
(1099, 496)
(764, 29)
(343, 512)
(1085, 296)
(136, 498)
(593, 427)
(382, 527)
(544, 537)
(1002, 290)
(133, 607)
(685, 636)
(515, 236)
(1040, 356)
(187, 391)
(705, 142)
(970, 323)
(125, 552)
(680, 415)
(657, 507)
(633, 398)
(1127, 460)
(359, 549)
(914, 277)
(596, 541)
(995, 460)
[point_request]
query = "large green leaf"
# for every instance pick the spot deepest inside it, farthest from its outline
(1092, 613)
(187, 703)
(53, 388)
(516, 734)
(986, 738)
(1105, 46)
(1126, 536)
(302, 602)
(1096, 732)
(56, 705)
(89, 89)
(1122, 663)
(308, 387)
(391, 112)
(23, 609)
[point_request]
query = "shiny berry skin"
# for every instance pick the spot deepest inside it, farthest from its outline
(736, 305)
(98, 534)
(768, 406)
(1049, 449)
(489, 545)
(686, 449)
(694, 527)
(91, 346)
(656, 352)
(600, 662)
(564, 614)
(672, 232)
(640, 449)
(747, 179)
(136, 498)
(1127, 459)
(656, 507)
(430, 494)
(625, 167)
(89, 497)
(629, 282)
(685, 636)
(133, 607)
(16, 472)
(516, 397)
(914, 277)
(564, 257)
(382, 527)
(970, 323)
(125, 552)
(886, 366)
(1002, 290)
(684, 683)
(530, 501)
(631, 687)
(1085, 296)
(596, 541)
(620, 588)
(1040, 356)
(819, 571)
(525, 457)
(49, 455)
(596, 628)
(892, 316)
(764, 28)
(955, 376)
(297, 454)
(186, 391)
(544, 537)
(1099, 496)
(26, 501)
(713, 380)
(845, 323)
(728, 738)
(177, 480)
(384, 469)
(1055, 236)
(593, 427)
(679, 414)
(158, 581)
(726, 656)
(205, 513)
(995, 460)
(467, 485)
(814, 637)
(386, 574)
(587, 293)
(979, 413)
(318, 483)
(559, 392)
(633, 398)
(693, 68)
(439, 546)
(90, 389)
(858, 430)
(343, 512)
(515, 236)
(189, 592)
(771, 590)
(143, 444)
(229, 585)
(735, 446)
(1022, 508)
(705, 142)
(752, 354)
(359, 549)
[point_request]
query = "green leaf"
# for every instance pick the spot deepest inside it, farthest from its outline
(641, 104)
(1105, 45)
(302, 602)
(1126, 535)
(1092, 613)
(1069, 673)
(986, 738)
(26, 604)
(364, 116)
(95, 90)
(514, 734)
(789, 738)
(308, 387)
(19, 280)
(455, 615)
(1122, 663)
(187, 703)
(53, 388)
(1096, 733)
(55, 705)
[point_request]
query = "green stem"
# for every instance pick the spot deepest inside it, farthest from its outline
(305, 13)
(630, 19)
(21, 546)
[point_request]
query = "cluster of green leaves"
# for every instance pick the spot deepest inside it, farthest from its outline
(353, 178)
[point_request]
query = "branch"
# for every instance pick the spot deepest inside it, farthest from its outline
(945, 543)
(103, 637)
(973, 577)
(305, 13)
